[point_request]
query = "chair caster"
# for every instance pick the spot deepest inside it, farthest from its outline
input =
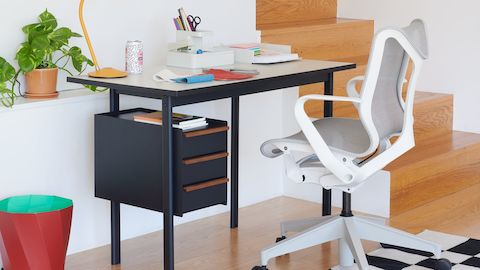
(260, 268)
(281, 238)
(443, 264)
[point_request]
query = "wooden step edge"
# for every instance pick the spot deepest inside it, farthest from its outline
(425, 96)
(309, 25)
(439, 149)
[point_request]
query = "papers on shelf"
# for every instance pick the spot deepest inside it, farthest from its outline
(181, 121)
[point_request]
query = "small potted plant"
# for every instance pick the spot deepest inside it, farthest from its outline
(45, 51)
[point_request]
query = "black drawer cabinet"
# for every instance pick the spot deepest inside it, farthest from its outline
(128, 163)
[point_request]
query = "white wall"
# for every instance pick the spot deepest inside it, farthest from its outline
(49, 148)
(453, 28)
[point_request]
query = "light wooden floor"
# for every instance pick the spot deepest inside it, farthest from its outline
(210, 244)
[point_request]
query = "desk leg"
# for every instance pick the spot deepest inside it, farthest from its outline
(115, 206)
(115, 232)
(167, 169)
(234, 163)
(328, 112)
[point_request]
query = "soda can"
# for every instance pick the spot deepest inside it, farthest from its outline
(134, 57)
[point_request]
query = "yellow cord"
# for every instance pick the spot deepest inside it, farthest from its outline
(87, 38)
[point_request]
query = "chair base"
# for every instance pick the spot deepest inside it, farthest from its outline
(348, 231)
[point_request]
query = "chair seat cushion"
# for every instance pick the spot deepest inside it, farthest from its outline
(340, 134)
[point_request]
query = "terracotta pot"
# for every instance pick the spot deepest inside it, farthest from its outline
(41, 83)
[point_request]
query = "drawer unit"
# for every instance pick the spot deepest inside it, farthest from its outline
(128, 163)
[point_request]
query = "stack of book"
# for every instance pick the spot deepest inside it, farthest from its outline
(272, 57)
(254, 47)
(182, 121)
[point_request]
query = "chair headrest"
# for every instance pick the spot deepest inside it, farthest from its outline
(417, 35)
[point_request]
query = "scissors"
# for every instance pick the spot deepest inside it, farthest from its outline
(194, 21)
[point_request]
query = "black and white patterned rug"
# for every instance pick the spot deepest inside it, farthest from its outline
(463, 252)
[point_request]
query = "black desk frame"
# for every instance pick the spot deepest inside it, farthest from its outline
(171, 99)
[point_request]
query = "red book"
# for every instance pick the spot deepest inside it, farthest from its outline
(224, 75)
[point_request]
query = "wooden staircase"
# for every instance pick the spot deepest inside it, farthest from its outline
(442, 163)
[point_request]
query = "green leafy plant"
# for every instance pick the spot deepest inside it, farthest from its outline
(46, 46)
(7, 75)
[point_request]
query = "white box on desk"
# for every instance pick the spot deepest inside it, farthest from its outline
(205, 60)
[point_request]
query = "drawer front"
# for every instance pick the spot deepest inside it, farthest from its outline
(190, 171)
(203, 197)
(190, 147)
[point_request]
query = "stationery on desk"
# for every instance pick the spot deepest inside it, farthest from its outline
(186, 22)
(208, 75)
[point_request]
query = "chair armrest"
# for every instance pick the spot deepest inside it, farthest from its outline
(351, 90)
(328, 98)
(326, 156)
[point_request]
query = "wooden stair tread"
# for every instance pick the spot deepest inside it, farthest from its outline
(435, 146)
(307, 25)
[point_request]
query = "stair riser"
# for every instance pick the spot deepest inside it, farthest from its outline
(423, 193)
(328, 42)
(436, 166)
(434, 116)
(285, 11)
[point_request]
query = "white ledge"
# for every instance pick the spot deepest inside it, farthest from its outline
(66, 96)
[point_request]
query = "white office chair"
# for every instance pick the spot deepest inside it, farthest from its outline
(342, 153)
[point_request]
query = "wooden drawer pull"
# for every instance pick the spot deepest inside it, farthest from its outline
(204, 158)
(207, 131)
(207, 184)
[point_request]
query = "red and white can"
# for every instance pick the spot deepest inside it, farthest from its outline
(134, 57)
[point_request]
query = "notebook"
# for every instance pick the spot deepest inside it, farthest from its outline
(224, 75)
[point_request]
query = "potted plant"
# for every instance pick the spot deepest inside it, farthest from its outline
(45, 51)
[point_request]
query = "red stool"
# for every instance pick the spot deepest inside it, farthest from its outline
(34, 232)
